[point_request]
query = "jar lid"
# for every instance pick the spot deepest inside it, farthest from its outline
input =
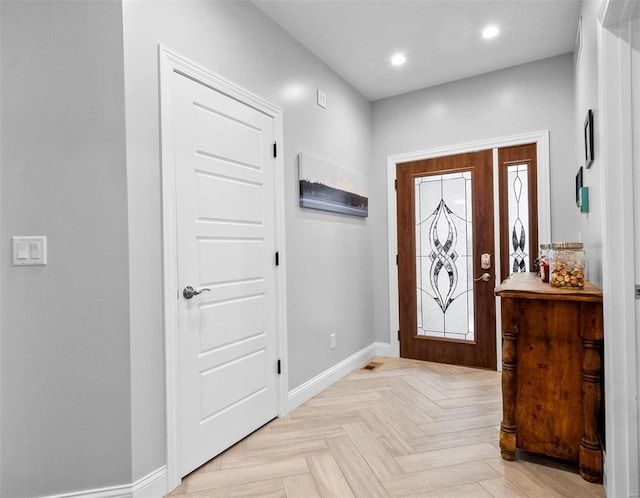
(545, 246)
(567, 245)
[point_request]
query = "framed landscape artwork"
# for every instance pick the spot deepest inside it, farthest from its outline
(331, 188)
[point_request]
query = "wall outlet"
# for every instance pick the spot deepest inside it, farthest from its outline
(333, 341)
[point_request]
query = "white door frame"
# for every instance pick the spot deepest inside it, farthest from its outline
(617, 91)
(169, 63)
(540, 138)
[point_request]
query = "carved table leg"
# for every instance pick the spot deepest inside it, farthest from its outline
(508, 425)
(590, 453)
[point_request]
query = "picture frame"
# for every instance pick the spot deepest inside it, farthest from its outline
(578, 186)
(588, 139)
(327, 187)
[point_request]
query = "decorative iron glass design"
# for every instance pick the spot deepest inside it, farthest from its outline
(518, 189)
(444, 256)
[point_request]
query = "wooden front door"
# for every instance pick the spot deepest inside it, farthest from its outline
(445, 247)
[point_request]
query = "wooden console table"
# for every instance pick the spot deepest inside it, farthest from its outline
(551, 362)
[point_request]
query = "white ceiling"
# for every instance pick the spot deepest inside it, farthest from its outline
(441, 38)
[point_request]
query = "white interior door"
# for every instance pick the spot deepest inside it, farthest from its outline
(225, 220)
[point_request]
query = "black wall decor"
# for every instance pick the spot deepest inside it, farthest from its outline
(588, 139)
(578, 186)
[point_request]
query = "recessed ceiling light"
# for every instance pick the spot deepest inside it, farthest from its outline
(490, 32)
(398, 59)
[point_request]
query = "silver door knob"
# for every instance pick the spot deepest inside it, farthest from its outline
(189, 292)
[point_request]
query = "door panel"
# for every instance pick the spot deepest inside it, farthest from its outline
(445, 224)
(230, 261)
(226, 242)
(241, 318)
(218, 394)
(232, 137)
(217, 195)
(518, 187)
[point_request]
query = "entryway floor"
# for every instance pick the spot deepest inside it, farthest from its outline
(405, 428)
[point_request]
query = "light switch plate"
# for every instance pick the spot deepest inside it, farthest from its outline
(29, 250)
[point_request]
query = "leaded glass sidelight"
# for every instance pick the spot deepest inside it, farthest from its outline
(444, 259)
(518, 201)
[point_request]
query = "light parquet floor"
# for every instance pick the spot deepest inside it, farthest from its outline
(407, 428)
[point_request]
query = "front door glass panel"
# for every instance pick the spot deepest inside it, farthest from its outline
(444, 256)
(518, 194)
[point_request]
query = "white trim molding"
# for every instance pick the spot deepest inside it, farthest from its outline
(170, 62)
(153, 484)
(384, 349)
(616, 127)
(540, 138)
(321, 381)
(615, 13)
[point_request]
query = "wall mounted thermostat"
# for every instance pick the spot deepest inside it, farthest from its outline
(322, 99)
(29, 251)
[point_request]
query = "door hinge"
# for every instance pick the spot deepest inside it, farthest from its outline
(637, 291)
(277, 258)
(398, 335)
(396, 184)
(397, 259)
(279, 367)
(275, 149)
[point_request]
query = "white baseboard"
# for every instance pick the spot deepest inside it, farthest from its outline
(385, 349)
(153, 485)
(320, 382)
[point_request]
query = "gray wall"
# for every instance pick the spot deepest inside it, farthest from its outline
(526, 98)
(586, 97)
(65, 326)
(82, 345)
(328, 256)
